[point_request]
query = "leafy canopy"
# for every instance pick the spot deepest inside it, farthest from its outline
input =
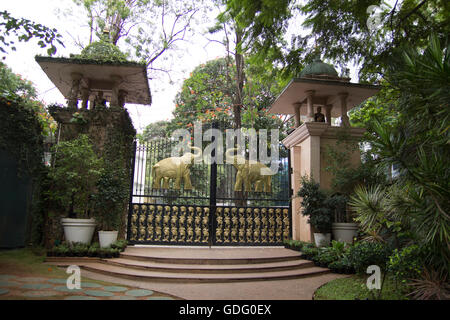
(24, 30)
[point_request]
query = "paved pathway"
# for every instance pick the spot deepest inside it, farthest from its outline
(19, 287)
(292, 289)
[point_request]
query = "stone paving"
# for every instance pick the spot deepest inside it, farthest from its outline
(17, 287)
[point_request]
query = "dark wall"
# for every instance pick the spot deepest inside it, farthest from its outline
(15, 199)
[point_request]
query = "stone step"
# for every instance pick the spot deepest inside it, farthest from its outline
(215, 256)
(145, 275)
(209, 268)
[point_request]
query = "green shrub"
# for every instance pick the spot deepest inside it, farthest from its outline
(364, 254)
(58, 251)
(407, 263)
(308, 245)
(105, 253)
(294, 244)
(314, 205)
(74, 176)
(92, 252)
(339, 248)
(343, 265)
(309, 253)
(115, 252)
(102, 51)
(79, 249)
(120, 245)
(324, 257)
(331, 254)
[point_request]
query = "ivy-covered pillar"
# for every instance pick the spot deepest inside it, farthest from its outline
(112, 135)
(101, 72)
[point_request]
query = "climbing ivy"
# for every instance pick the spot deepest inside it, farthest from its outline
(22, 139)
(112, 135)
(21, 136)
(102, 50)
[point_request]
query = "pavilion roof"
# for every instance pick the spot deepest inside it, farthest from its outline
(325, 92)
(97, 76)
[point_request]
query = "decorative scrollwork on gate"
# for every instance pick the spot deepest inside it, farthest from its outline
(170, 224)
(236, 225)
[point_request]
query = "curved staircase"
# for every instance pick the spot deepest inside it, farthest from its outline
(185, 265)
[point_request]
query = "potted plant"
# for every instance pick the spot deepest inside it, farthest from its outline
(316, 209)
(343, 228)
(74, 176)
(110, 202)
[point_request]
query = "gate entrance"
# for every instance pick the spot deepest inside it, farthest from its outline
(203, 207)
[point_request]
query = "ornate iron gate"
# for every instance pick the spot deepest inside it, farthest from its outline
(212, 212)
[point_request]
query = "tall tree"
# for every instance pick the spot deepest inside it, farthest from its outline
(13, 87)
(209, 94)
(417, 143)
(365, 32)
(155, 131)
(248, 26)
(148, 28)
(368, 31)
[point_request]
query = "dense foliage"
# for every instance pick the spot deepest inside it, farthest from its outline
(74, 176)
(24, 30)
(314, 205)
(417, 204)
(20, 91)
(103, 50)
(146, 30)
(208, 95)
(84, 250)
(113, 186)
(25, 123)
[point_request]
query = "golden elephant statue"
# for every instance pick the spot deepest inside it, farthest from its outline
(175, 168)
(254, 175)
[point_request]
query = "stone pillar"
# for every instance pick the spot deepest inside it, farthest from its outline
(344, 118)
(309, 105)
(122, 97)
(304, 145)
(299, 223)
(99, 99)
(328, 108)
(115, 91)
(85, 92)
(74, 90)
(297, 107)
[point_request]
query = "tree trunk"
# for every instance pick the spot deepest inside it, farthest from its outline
(238, 97)
(238, 102)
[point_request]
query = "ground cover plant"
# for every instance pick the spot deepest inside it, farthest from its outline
(83, 250)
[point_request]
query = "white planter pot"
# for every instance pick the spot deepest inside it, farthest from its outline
(78, 230)
(322, 239)
(344, 232)
(106, 238)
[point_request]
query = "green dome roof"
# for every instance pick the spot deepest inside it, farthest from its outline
(103, 50)
(319, 68)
